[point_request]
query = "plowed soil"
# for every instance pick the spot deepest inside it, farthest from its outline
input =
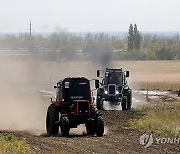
(118, 138)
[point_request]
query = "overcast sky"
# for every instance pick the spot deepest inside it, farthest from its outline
(89, 15)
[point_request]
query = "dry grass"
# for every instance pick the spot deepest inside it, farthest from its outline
(161, 118)
(160, 75)
(151, 71)
(162, 86)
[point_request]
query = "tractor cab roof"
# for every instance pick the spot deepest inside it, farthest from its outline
(114, 70)
(75, 78)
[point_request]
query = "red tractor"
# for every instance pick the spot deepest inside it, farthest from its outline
(73, 106)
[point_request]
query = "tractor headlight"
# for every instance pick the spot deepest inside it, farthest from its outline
(106, 92)
(117, 92)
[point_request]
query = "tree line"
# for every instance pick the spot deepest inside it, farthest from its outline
(135, 46)
(151, 46)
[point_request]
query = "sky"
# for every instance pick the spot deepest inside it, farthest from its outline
(88, 15)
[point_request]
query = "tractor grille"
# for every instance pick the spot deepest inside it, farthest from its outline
(83, 108)
(112, 89)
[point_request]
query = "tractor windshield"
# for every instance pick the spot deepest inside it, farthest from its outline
(76, 90)
(115, 78)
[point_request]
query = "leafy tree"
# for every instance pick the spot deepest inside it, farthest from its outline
(130, 37)
(137, 38)
(134, 38)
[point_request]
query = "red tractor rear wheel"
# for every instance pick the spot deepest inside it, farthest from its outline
(90, 128)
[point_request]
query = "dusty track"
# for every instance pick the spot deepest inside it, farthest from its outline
(119, 139)
(29, 109)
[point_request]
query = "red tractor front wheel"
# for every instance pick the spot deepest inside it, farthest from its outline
(65, 126)
(52, 116)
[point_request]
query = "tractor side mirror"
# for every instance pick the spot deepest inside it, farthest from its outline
(97, 84)
(127, 73)
(55, 87)
(98, 73)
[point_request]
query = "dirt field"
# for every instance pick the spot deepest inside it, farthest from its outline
(24, 106)
(118, 139)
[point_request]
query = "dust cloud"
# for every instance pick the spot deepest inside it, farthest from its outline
(22, 108)
(81, 130)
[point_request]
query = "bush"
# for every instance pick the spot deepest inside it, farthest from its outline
(132, 55)
(164, 53)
